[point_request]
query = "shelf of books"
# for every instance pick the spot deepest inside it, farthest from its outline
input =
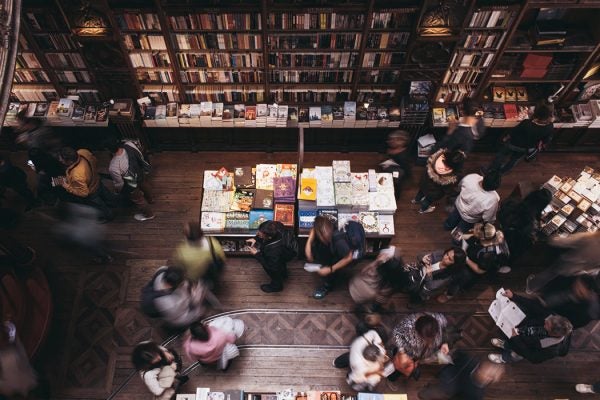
(483, 35)
(219, 114)
(235, 203)
(343, 195)
(68, 111)
(287, 394)
(575, 204)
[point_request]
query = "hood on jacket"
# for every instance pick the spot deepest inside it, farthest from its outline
(444, 180)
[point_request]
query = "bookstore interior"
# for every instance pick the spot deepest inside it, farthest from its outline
(307, 75)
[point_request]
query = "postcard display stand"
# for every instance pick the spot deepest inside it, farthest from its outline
(236, 202)
(343, 195)
(575, 204)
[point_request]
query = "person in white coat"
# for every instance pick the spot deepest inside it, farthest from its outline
(367, 359)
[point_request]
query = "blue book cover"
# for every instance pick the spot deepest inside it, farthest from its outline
(306, 218)
(257, 217)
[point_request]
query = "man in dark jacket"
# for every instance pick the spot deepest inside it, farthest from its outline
(269, 249)
(539, 337)
(465, 379)
(15, 178)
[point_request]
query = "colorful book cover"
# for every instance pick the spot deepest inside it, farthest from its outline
(326, 113)
(242, 200)
(369, 221)
(228, 111)
(78, 113)
(65, 108)
(261, 110)
(264, 176)
(315, 114)
(206, 109)
(439, 115)
(218, 179)
(239, 112)
(217, 111)
(263, 199)
(306, 218)
(284, 188)
(308, 189)
(287, 170)
(284, 213)
(216, 200)
(511, 94)
(257, 217)
(237, 220)
(303, 116)
(250, 113)
(41, 109)
(349, 109)
(90, 114)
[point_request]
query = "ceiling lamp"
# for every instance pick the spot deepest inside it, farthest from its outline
(90, 22)
(440, 20)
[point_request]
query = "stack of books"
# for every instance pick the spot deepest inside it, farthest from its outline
(535, 66)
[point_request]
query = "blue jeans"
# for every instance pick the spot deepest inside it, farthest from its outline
(455, 220)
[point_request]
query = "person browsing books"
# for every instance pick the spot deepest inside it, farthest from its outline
(398, 163)
(331, 249)
(269, 249)
(539, 337)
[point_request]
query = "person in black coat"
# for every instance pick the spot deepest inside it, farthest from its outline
(399, 161)
(461, 137)
(269, 249)
(14, 178)
(465, 379)
(576, 298)
(529, 135)
(539, 337)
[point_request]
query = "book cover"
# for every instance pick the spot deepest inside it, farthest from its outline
(257, 217)
(239, 112)
(505, 313)
(261, 110)
(217, 111)
(185, 114)
(338, 113)
(228, 112)
(284, 188)
(234, 394)
(218, 179)
(386, 224)
(53, 111)
(202, 393)
(331, 213)
(287, 170)
(384, 202)
(90, 114)
(205, 110)
(511, 94)
(243, 177)
(341, 170)
(250, 113)
(343, 194)
(499, 94)
(385, 182)
(303, 115)
(263, 199)
(242, 200)
(237, 220)
(369, 220)
(306, 218)
(326, 113)
(264, 176)
(315, 114)
(451, 114)
(41, 109)
(65, 107)
(78, 113)
(212, 221)
(284, 213)
(216, 200)
(522, 93)
(344, 217)
(360, 182)
(308, 189)
(439, 115)
(349, 109)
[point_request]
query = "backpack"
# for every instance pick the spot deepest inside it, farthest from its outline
(138, 166)
(288, 240)
(149, 294)
(356, 237)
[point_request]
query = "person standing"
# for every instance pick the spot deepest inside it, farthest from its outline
(159, 369)
(439, 179)
(527, 137)
(477, 202)
(269, 248)
(128, 177)
(461, 136)
(399, 163)
(331, 249)
(214, 342)
(82, 182)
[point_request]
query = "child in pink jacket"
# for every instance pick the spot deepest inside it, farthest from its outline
(214, 342)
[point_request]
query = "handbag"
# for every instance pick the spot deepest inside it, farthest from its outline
(414, 277)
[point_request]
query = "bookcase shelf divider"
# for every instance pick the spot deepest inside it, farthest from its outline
(166, 32)
(265, 49)
(578, 76)
(361, 52)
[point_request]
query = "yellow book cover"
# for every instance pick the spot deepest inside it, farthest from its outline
(394, 396)
(308, 189)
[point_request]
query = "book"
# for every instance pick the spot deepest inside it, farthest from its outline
(264, 176)
(284, 189)
(330, 213)
(218, 179)
(242, 200)
(228, 111)
(386, 224)
(250, 116)
(438, 115)
(78, 113)
(284, 213)
(343, 194)
(41, 109)
(325, 189)
(237, 220)
(182, 396)
(239, 114)
(383, 202)
(315, 117)
(287, 170)
(65, 108)
(511, 93)
(263, 199)
(499, 93)
(369, 220)
(522, 93)
(216, 200)
(185, 114)
(385, 182)
(306, 218)
(505, 313)
(341, 170)
(90, 114)
(202, 393)
(257, 217)
(307, 189)
(243, 177)
(212, 221)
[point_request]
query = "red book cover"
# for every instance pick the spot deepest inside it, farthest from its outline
(537, 61)
(533, 73)
(284, 213)
(510, 111)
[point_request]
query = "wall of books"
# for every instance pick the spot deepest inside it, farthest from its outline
(575, 204)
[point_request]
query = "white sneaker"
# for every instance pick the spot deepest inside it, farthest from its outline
(142, 217)
(499, 343)
(505, 269)
(429, 209)
(583, 388)
(496, 358)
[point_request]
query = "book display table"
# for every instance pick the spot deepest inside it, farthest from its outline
(236, 202)
(575, 204)
(288, 394)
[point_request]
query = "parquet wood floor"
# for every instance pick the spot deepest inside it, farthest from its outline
(97, 321)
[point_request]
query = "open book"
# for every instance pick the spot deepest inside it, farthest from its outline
(505, 313)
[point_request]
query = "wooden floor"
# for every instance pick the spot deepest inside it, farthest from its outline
(291, 338)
